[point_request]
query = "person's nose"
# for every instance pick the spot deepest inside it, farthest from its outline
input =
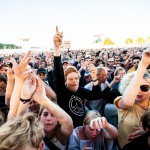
(94, 133)
(74, 80)
(48, 118)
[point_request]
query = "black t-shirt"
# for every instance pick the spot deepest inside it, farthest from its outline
(72, 102)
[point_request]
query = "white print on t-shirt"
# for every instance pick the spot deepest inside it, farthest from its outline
(76, 105)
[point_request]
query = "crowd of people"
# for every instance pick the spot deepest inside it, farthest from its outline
(75, 100)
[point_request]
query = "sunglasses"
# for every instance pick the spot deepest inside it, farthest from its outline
(144, 88)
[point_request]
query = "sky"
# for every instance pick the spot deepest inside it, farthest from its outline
(79, 20)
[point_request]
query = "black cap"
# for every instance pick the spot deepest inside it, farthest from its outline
(65, 61)
(41, 70)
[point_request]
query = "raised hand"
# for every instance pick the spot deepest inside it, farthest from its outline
(10, 74)
(57, 39)
(28, 87)
(39, 93)
(93, 71)
(99, 123)
(117, 78)
(146, 57)
(22, 70)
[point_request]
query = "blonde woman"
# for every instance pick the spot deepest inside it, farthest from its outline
(27, 86)
(58, 125)
(94, 134)
(22, 133)
(135, 89)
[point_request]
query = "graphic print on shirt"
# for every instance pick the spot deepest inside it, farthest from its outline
(76, 105)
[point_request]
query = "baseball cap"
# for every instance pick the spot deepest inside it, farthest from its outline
(65, 61)
(41, 70)
(86, 73)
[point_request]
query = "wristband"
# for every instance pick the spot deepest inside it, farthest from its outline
(25, 100)
(95, 80)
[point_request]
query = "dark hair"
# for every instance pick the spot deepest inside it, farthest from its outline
(2, 65)
(3, 78)
(136, 57)
(121, 64)
(146, 119)
(124, 52)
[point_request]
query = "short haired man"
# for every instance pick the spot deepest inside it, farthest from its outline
(135, 62)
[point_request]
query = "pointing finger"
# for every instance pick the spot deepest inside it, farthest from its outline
(57, 29)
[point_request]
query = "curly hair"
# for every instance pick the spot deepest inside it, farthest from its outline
(20, 132)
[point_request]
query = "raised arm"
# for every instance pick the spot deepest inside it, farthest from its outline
(130, 93)
(93, 72)
(100, 122)
(10, 85)
(57, 39)
(59, 82)
(28, 88)
(21, 71)
(50, 93)
(65, 120)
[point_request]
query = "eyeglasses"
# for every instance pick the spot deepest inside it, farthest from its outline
(136, 62)
(144, 88)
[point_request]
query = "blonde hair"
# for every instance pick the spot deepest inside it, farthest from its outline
(24, 130)
(89, 116)
(128, 77)
(70, 69)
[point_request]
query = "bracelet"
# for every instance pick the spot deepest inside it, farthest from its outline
(25, 100)
(95, 80)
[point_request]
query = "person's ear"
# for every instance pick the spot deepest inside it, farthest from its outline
(41, 146)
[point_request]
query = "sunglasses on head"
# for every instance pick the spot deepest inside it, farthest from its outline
(144, 88)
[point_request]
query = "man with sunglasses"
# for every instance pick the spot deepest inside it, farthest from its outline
(135, 100)
(135, 62)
